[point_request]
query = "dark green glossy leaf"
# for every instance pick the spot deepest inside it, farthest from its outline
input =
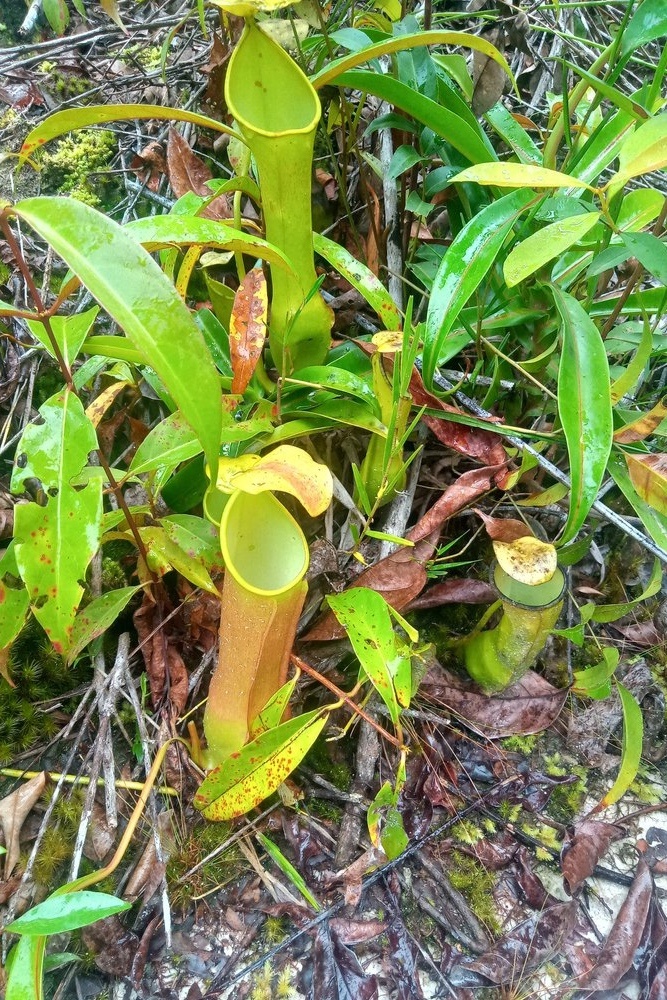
(464, 266)
(584, 407)
(449, 126)
(648, 22)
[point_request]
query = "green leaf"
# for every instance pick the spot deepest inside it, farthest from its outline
(602, 147)
(165, 553)
(158, 231)
(69, 331)
(338, 380)
(246, 778)
(650, 251)
(14, 599)
(584, 407)
(631, 754)
(639, 209)
(57, 14)
(516, 137)
(97, 617)
(362, 278)
(115, 348)
(625, 382)
(403, 159)
(517, 175)
(612, 612)
(644, 151)
(470, 142)
(385, 823)
(648, 22)
(529, 256)
(73, 118)
(128, 283)
(67, 912)
(55, 542)
(171, 442)
(25, 964)
(464, 266)
(364, 615)
(386, 46)
(288, 869)
(274, 710)
(595, 682)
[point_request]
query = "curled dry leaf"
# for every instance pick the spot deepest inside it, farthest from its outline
(167, 673)
(186, 171)
(460, 591)
(14, 810)
(150, 165)
(584, 849)
(527, 560)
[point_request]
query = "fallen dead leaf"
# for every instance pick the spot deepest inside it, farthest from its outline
(529, 706)
(14, 810)
(581, 853)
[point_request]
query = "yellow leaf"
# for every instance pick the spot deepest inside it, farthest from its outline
(96, 410)
(246, 8)
(228, 468)
(649, 477)
(644, 425)
(527, 560)
(388, 341)
(289, 470)
(642, 152)
(518, 175)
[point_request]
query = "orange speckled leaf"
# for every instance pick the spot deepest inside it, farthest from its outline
(527, 560)
(289, 470)
(503, 529)
(649, 477)
(247, 327)
(247, 777)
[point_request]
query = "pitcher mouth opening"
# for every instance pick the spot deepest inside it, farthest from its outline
(263, 546)
(523, 595)
(256, 108)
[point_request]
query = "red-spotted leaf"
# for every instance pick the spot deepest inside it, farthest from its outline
(247, 328)
(247, 777)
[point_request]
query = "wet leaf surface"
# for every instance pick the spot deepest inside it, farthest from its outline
(616, 956)
(336, 972)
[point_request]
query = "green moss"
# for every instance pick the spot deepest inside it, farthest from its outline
(64, 84)
(77, 157)
(467, 832)
(520, 744)
(476, 884)
(147, 57)
(509, 811)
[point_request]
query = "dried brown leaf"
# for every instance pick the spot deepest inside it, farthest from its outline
(247, 328)
(167, 673)
(460, 591)
(581, 853)
(488, 77)
(14, 810)
(617, 953)
(503, 529)
(186, 171)
(529, 706)
(150, 165)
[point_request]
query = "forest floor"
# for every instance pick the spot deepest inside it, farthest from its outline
(513, 884)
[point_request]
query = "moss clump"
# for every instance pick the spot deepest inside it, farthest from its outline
(476, 884)
(147, 57)
(186, 884)
(467, 832)
(520, 744)
(40, 676)
(64, 85)
(77, 157)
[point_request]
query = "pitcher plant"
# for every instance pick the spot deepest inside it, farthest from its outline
(266, 559)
